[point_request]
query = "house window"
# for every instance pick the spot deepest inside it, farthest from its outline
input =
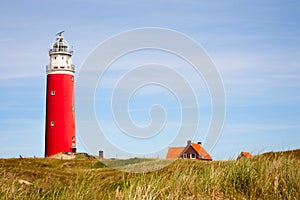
(52, 123)
(73, 108)
(184, 156)
(72, 78)
(192, 156)
(73, 138)
(52, 92)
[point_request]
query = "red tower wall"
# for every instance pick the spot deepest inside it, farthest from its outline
(60, 114)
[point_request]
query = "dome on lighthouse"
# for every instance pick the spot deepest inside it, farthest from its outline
(60, 45)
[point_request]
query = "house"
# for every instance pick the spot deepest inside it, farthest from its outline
(244, 154)
(190, 151)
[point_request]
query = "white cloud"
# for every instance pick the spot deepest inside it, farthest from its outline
(246, 128)
(13, 75)
(5, 40)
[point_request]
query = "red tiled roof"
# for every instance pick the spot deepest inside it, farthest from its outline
(201, 151)
(174, 152)
(246, 154)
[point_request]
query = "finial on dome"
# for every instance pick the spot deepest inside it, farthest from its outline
(59, 33)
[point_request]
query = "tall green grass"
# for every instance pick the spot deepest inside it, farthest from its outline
(261, 177)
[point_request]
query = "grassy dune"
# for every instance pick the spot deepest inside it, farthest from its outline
(267, 176)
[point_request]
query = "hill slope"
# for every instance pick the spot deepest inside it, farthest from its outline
(268, 176)
(294, 153)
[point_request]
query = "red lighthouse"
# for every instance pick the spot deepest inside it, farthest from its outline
(60, 108)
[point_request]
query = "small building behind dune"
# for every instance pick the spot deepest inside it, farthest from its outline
(244, 154)
(190, 151)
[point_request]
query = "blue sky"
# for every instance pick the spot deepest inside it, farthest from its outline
(255, 46)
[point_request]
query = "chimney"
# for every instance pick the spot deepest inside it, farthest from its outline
(199, 143)
(100, 154)
(189, 142)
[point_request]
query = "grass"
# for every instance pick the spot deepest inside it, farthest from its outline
(267, 176)
(137, 165)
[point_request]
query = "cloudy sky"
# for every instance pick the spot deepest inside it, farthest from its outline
(254, 45)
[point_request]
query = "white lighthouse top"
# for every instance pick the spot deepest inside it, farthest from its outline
(60, 45)
(60, 56)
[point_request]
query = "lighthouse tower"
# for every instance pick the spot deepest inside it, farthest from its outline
(60, 108)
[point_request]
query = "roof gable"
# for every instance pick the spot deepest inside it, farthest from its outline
(201, 151)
